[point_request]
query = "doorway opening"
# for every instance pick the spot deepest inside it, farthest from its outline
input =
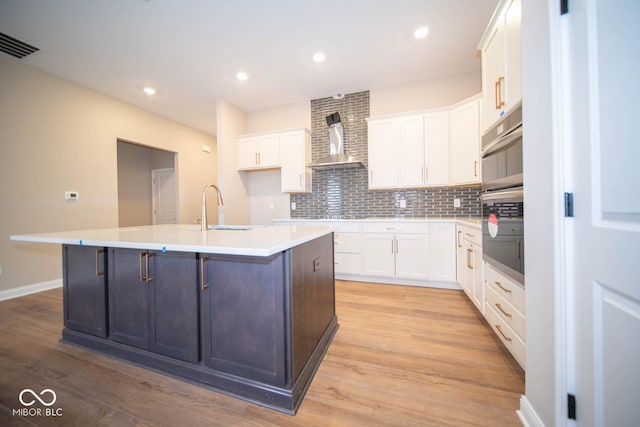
(147, 185)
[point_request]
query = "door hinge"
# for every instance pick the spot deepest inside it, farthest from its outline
(564, 7)
(571, 406)
(568, 205)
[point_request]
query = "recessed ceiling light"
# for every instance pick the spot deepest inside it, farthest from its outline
(318, 57)
(149, 90)
(242, 76)
(421, 32)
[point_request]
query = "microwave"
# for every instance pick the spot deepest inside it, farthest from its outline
(502, 153)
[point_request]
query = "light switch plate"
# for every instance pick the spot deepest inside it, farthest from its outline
(403, 203)
(293, 206)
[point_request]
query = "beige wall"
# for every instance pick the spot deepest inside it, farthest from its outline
(58, 136)
(231, 124)
(423, 95)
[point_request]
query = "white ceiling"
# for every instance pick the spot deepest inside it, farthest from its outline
(190, 50)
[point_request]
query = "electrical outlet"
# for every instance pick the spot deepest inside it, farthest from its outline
(293, 206)
(403, 203)
(456, 203)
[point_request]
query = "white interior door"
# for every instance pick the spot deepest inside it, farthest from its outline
(603, 111)
(164, 196)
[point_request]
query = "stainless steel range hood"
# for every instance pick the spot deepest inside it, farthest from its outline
(337, 158)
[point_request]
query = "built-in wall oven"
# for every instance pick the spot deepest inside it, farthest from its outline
(502, 197)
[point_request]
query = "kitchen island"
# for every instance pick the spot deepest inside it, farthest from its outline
(248, 312)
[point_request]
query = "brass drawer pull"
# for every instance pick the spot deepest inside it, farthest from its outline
(98, 272)
(502, 310)
(502, 287)
(203, 285)
(147, 256)
(502, 333)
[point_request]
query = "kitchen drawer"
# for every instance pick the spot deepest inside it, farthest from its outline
(398, 227)
(472, 234)
(347, 243)
(511, 340)
(348, 263)
(347, 227)
(506, 311)
(512, 292)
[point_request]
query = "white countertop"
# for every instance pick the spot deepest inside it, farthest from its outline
(257, 241)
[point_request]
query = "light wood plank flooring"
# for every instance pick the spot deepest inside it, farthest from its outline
(403, 356)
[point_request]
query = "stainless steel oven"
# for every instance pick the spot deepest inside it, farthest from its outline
(503, 231)
(502, 197)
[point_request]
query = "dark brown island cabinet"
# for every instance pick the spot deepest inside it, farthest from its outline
(252, 327)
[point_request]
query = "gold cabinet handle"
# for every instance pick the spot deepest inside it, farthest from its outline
(502, 287)
(393, 246)
(470, 235)
(499, 306)
(501, 101)
(469, 254)
(147, 256)
(140, 262)
(98, 253)
(459, 239)
(144, 277)
(502, 333)
(203, 285)
(475, 168)
(396, 246)
(496, 93)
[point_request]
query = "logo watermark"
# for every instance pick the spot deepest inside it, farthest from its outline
(28, 398)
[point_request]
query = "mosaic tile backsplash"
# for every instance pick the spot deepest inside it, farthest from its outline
(344, 193)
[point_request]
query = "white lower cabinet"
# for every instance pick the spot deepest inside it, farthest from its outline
(397, 255)
(347, 252)
(405, 252)
(505, 311)
(397, 249)
(470, 265)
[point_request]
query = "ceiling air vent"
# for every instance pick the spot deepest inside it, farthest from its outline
(15, 47)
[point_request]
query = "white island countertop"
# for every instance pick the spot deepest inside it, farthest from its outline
(249, 241)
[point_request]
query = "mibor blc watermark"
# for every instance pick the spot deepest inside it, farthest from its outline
(37, 404)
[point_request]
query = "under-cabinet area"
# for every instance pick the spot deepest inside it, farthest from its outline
(251, 317)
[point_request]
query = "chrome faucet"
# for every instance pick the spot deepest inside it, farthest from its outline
(203, 222)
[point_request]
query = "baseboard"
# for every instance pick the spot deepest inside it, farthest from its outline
(30, 289)
(528, 416)
(397, 281)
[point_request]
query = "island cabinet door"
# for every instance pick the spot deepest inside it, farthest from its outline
(153, 301)
(85, 291)
(243, 319)
(174, 305)
(129, 297)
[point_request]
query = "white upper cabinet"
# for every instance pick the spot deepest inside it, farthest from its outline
(288, 150)
(383, 153)
(464, 143)
(409, 151)
(258, 152)
(501, 62)
(436, 162)
(295, 155)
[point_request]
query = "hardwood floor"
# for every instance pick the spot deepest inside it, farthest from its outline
(403, 356)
